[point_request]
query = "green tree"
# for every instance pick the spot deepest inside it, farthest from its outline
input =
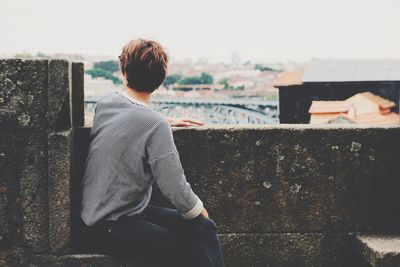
(224, 81)
(190, 80)
(262, 67)
(172, 79)
(97, 72)
(206, 78)
(110, 65)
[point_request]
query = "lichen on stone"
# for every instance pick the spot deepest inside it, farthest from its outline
(355, 147)
(24, 119)
(295, 188)
(267, 184)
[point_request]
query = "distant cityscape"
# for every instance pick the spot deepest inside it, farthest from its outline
(245, 92)
(198, 83)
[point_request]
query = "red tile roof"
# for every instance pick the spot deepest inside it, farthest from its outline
(356, 109)
(377, 118)
(382, 102)
(319, 107)
(289, 78)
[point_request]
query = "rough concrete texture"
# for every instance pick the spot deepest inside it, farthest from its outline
(77, 95)
(295, 179)
(240, 250)
(59, 173)
(380, 250)
(40, 94)
(23, 93)
(23, 187)
(288, 249)
(59, 98)
(283, 179)
(19, 258)
(282, 193)
(97, 260)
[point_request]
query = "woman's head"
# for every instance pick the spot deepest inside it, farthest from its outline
(144, 65)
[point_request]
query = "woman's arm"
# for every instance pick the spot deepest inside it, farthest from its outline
(185, 122)
(167, 171)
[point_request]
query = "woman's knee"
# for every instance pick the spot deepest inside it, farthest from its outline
(206, 226)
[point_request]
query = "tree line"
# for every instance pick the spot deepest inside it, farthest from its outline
(106, 70)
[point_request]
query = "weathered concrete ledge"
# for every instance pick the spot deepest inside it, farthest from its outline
(285, 194)
(380, 250)
(293, 179)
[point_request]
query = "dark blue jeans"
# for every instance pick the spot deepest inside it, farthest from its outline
(161, 237)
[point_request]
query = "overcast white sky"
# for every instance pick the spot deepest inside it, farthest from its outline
(258, 30)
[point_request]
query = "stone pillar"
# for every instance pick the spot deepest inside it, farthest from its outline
(38, 98)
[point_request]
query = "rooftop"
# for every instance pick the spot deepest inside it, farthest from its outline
(349, 70)
(362, 108)
(289, 78)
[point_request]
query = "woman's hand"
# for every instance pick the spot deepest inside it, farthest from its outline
(184, 122)
(204, 213)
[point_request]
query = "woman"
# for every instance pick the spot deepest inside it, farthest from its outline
(131, 148)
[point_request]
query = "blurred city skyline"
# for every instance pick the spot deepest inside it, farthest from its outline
(264, 31)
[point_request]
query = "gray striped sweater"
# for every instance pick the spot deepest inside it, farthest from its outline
(131, 147)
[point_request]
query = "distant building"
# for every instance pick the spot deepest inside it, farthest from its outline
(335, 80)
(363, 108)
(235, 60)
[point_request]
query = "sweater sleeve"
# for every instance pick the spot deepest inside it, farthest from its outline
(168, 173)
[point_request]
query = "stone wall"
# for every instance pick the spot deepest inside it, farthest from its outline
(38, 98)
(290, 195)
(281, 195)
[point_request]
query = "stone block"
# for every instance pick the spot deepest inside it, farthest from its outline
(288, 249)
(23, 93)
(95, 260)
(23, 186)
(44, 94)
(19, 258)
(291, 179)
(295, 178)
(288, 179)
(77, 95)
(259, 250)
(379, 250)
(59, 173)
(59, 97)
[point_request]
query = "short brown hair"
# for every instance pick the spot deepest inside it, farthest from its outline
(144, 64)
